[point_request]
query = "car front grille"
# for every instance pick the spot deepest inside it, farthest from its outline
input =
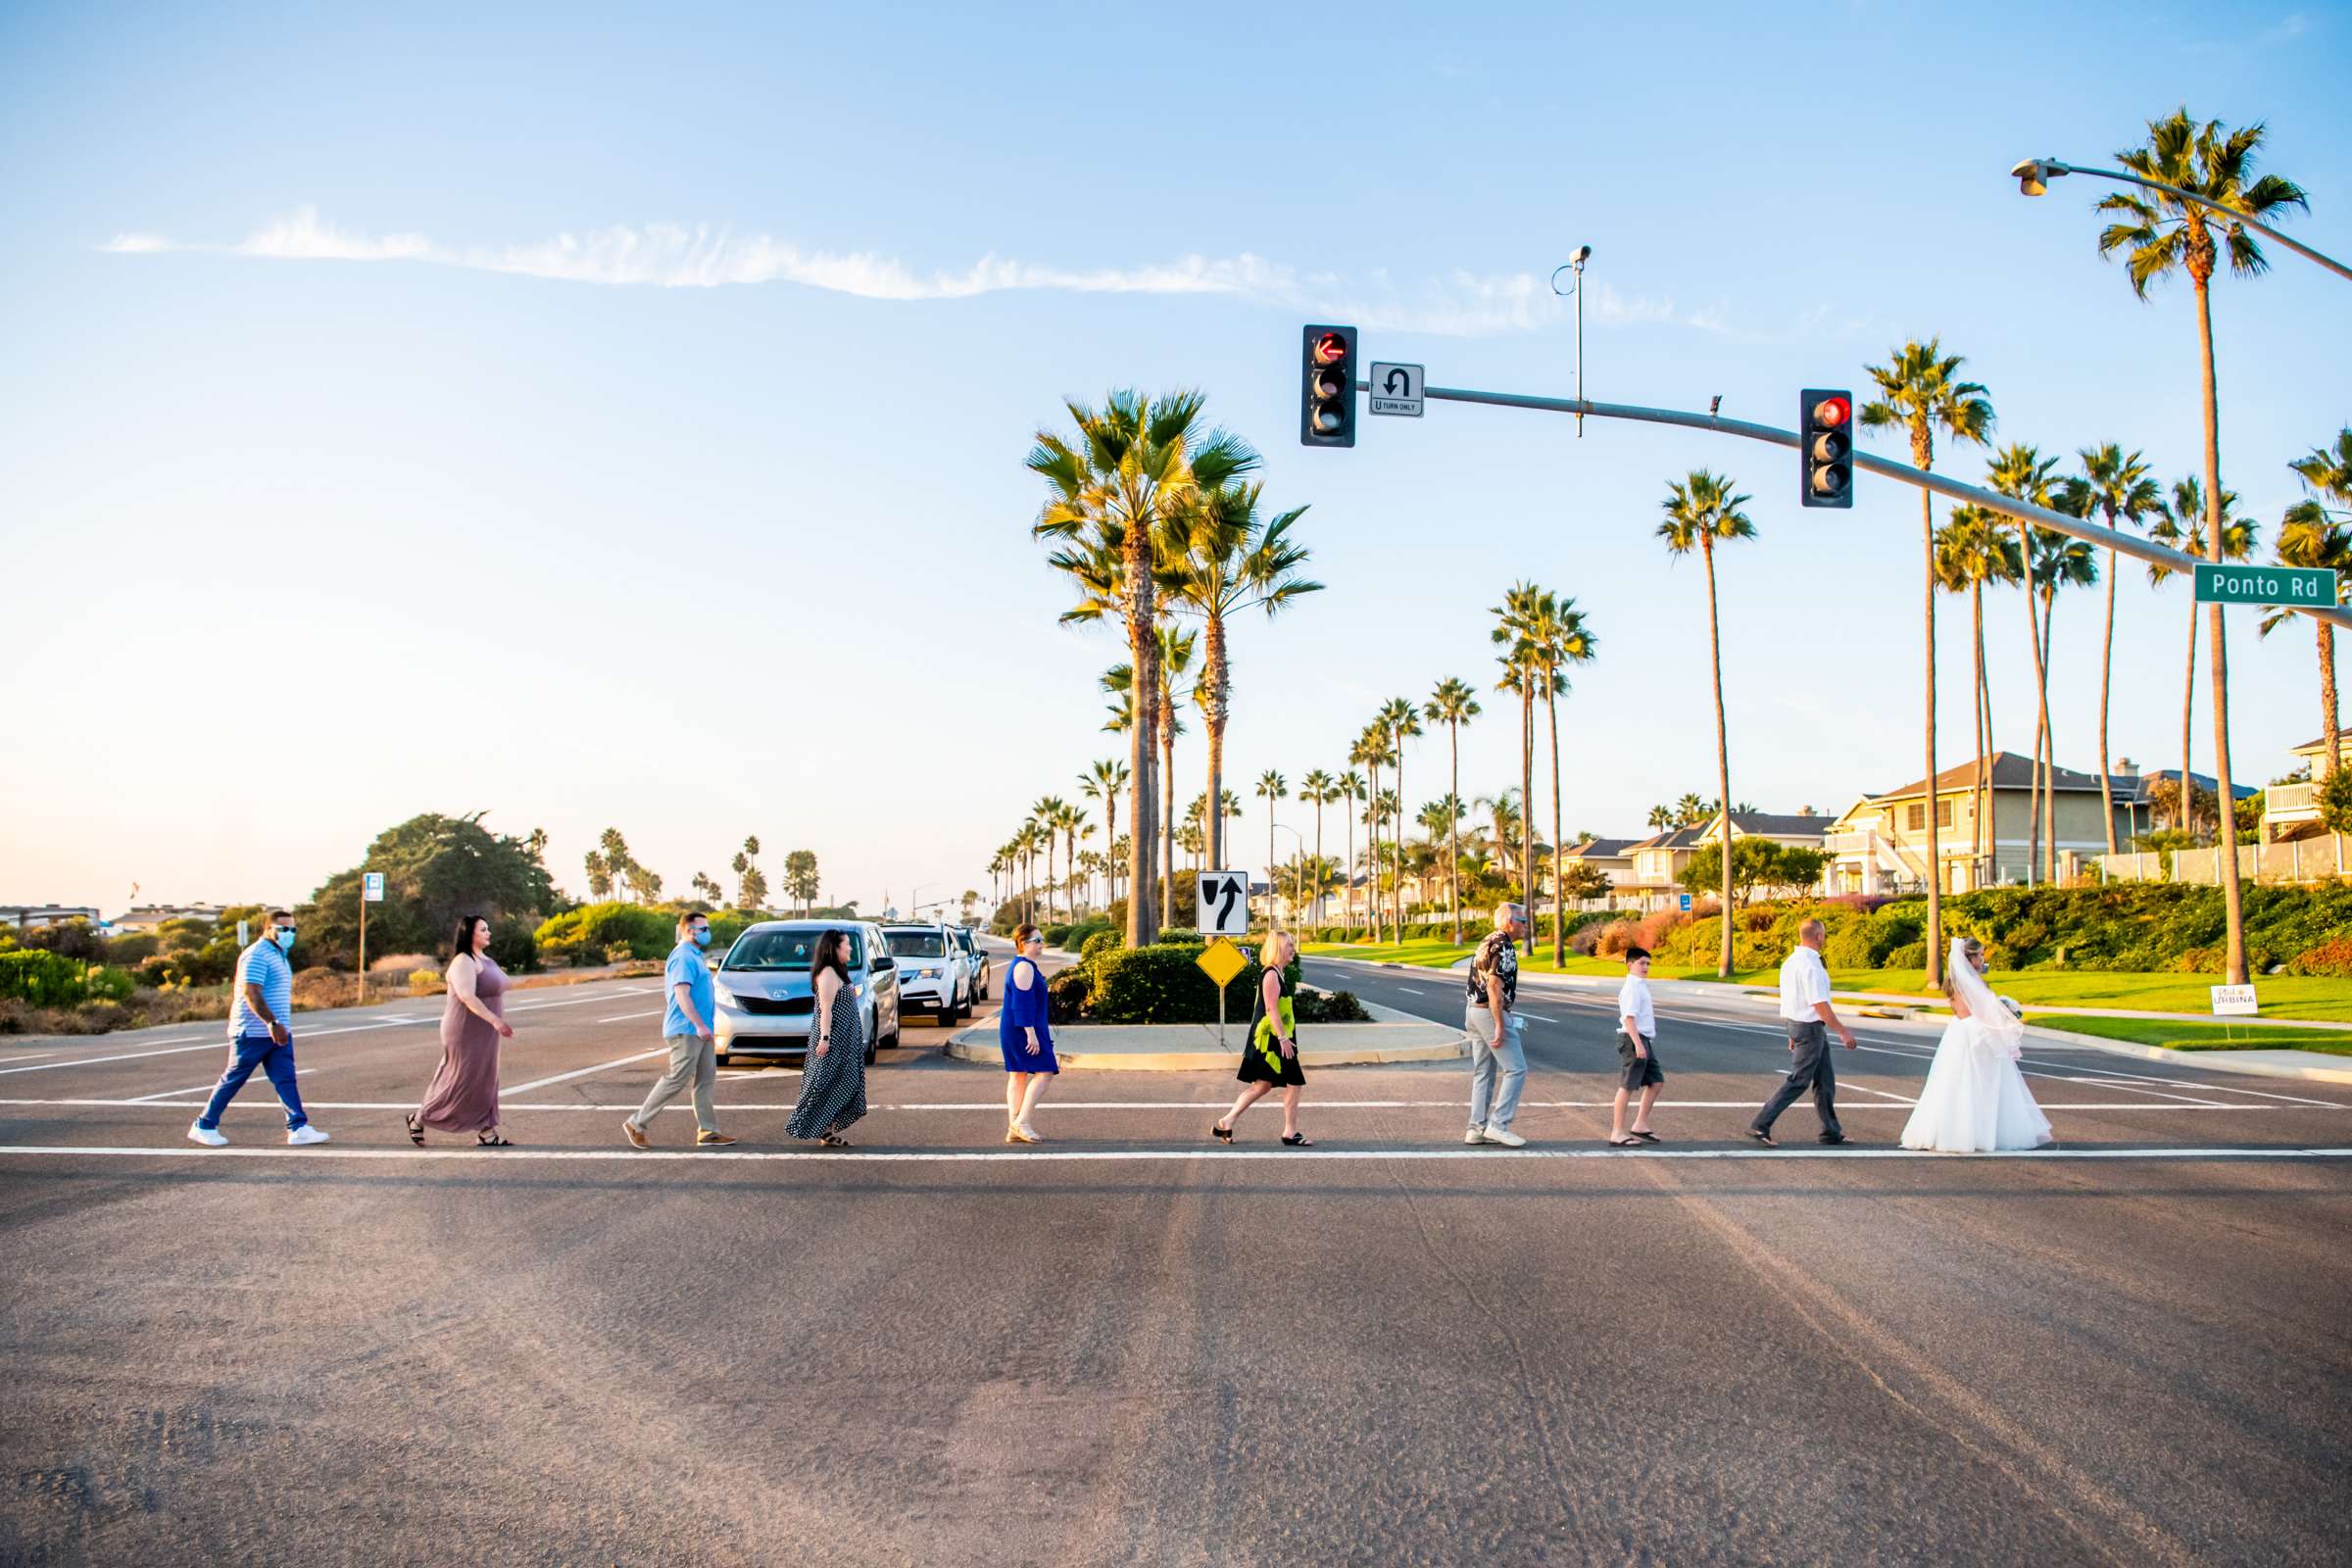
(775, 1007)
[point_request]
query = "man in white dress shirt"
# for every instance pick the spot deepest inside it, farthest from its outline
(1805, 1008)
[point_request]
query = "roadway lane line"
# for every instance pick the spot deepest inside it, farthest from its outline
(205, 1090)
(576, 1001)
(582, 1072)
(623, 1017)
(221, 1044)
(1146, 1155)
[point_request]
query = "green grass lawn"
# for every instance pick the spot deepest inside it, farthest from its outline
(2283, 996)
(2198, 1035)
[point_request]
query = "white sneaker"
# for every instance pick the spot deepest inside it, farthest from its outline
(1476, 1135)
(1505, 1136)
(209, 1137)
(305, 1135)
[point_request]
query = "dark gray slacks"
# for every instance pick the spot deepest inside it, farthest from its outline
(1811, 1070)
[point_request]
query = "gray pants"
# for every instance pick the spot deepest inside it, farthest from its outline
(1497, 1067)
(694, 1059)
(1811, 1070)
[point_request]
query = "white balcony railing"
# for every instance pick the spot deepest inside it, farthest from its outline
(2291, 802)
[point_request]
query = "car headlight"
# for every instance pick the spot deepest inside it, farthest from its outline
(926, 974)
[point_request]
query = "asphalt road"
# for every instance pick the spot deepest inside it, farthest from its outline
(1129, 1346)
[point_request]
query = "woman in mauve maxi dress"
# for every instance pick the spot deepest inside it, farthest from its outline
(462, 1097)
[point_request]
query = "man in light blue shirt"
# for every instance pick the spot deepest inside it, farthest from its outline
(686, 1028)
(260, 1001)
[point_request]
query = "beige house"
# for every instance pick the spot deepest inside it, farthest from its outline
(2293, 811)
(1658, 860)
(1880, 845)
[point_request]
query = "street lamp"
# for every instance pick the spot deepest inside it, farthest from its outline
(2033, 176)
(1576, 286)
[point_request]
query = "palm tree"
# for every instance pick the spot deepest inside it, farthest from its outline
(1453, 703)
(2309, 537)
(2122, 492)
(1972, 549)
(1047, 814)
(1514, 621)
(2181, 525)
(1507, 824)
(1351, 788)
(2059, 561)
(1661, 817)
(1318, 789)
(1111, 493)
(1372, 752)
(2022, 472)
(1921, 393)
(1699, 512)
(1690, 810)
(2161, 235)
(1102, 782)
(1560, 638)
(1271, 787)
(1174, 662)
(1224, 560)
(1072, 823)
(1403, 719)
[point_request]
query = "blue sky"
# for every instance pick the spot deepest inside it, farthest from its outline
(615, 418)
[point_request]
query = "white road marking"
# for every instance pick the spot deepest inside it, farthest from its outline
(1146, 1155)
(41, 1057)
(129, 1056)
(582, 1072)
(1189, 1107)
(205, 1090)
(1539, 1017)
(623, 1017)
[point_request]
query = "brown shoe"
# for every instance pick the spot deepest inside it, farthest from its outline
(635, 1135)
(711, 1140)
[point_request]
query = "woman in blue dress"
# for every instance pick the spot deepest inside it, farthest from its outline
(1025, 1036)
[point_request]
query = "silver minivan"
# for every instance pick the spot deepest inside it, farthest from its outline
(765, 1003)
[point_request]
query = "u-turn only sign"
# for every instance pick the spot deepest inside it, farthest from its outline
(1396, 389)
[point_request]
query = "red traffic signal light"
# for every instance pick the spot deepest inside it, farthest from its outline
(1825, 448)
(1326, 388)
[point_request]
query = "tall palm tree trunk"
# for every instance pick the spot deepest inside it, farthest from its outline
(2049, 731)
(1722, 758)
(2331, 735)
(1927, 526)
(1143, 730)
(2106, 674)
(1168, 818)
(1348, 907)
(1453, 802)
(1527, 796)
(1398, 928)
(1559, 909)
(2225, 803)
(1317, 917)
(1213, 672)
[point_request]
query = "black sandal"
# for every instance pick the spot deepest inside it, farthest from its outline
(834, 1140)
(1649, 1138)
(1628, 1141)
(415, 1129)
(489, 1140)
(1298, 1141)
(1220, 1132)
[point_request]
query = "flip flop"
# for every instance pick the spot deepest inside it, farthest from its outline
(1649, 1138)
(1624, 1143)
(1298, 1141)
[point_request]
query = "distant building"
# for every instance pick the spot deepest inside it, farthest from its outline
(1612, 857)
(28, 916)
(147, 917)
(1658, 860)
(2291, 811)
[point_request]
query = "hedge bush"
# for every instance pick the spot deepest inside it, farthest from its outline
(1103, 940)
(43, 978)
(1164, 984)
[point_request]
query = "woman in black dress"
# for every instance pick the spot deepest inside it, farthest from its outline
(1271, 1054)
(833, 1072)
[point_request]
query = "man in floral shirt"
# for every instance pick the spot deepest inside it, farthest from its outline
(1498, 1059)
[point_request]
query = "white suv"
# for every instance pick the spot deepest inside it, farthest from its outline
(934, 975)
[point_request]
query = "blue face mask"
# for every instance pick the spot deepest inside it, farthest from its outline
(702, 939)
(284, 937)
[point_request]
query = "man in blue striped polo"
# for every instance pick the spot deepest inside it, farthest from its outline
(260, 1007)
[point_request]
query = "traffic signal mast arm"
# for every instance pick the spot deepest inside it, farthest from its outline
(2041, 517)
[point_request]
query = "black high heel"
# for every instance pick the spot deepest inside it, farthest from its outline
(415, 1129)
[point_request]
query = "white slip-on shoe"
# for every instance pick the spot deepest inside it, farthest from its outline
(1476, 1135)
(1505, 1136)
(306, 1135)
(209, 1137)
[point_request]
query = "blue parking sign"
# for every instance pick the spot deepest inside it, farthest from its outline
(1686, 904)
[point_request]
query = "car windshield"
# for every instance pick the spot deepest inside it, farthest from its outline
(784, 950)
(917, 944)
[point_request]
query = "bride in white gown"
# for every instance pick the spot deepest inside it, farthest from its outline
(1976, 1098)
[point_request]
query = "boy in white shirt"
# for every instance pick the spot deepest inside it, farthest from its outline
(1637, 1054)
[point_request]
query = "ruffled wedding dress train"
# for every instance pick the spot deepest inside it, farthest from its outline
(1976, 1099)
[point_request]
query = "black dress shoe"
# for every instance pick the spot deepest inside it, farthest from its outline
(1833, 1138)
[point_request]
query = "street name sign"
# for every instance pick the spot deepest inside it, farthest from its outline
(1224, 898)
(1221, 960)
(2219, 583)
(371, 886)
(1396, 389)
(2234, 999)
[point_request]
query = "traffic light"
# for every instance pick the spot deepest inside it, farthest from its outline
(1326, 388)
(1825, 419)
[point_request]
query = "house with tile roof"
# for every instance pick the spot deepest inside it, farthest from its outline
(1658, 859)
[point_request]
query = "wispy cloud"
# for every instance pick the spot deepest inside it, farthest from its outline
(1459, 304)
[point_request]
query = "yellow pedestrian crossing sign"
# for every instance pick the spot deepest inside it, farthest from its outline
(1221, 962)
